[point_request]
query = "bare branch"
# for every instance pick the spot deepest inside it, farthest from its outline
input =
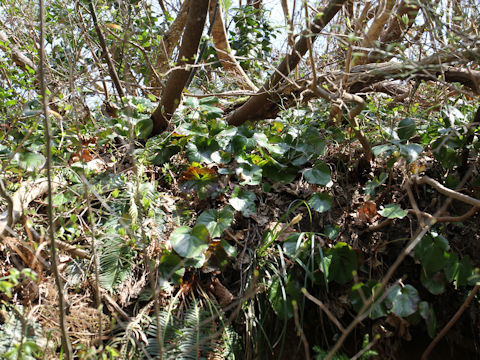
(67, 346)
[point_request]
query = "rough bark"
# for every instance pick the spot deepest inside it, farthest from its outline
(172, 93)
(257, 4)
(17, 56)
(288, 24)
(228, 61)
(375, 29)
(372, 77)
(168, 44)
(395, 28)
(256, 105)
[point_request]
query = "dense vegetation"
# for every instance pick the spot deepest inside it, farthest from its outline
(192, 180)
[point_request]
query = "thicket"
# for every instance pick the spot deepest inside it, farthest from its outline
(177, 182)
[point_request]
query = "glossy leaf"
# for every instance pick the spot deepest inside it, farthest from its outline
(216, 221)
(393, 211)
(343, 261)
(320, 202)
(318, 175)
(406, 128)
(244, 201)
(403, 301)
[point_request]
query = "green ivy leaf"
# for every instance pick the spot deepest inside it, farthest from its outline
(428, 314)
(432, 254)
(451, 267)
(393, 211)
(343, 261)
(216, 221)
(165, 154)
(190, 243)
(143, 128)
(172, 268)
(411, 151)
(386, 149)
(320, 202)
(244, 201)
(281, 303)
(406, 128)
(319, 175)
(403, 301)
(30, 160)
(249, 174)
(294, 244)
(465, 272)
(367, 290)
(435, 283)
(283, 175)
(200, 149)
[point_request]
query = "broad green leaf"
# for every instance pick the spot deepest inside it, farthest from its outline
(210, 100)
(386, 149)
(143, 128)
(320, 202)
(221, 157)
(451, 267)
(465, 272)
(369, 289)
(210, 112)
(216, 221)
(281, 303)
(410, 151)
(244, 201)
(371, 185)
(403, 301)
(249, 174)
(452, 116)
(230, 250)
(331, 231)
(318, 175)
(164, 155)
(428, 314)
(293, 244)
(343, 263)
(406, 128)
(30, 161)
(200, 149)
(283, 175)
(431, 252)
(433, 282)
(190, 243)
(393, 211)
(171, 268)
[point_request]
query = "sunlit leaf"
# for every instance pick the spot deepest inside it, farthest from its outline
(244, 201)
(216, 221)
(30, 160)
(393, 211)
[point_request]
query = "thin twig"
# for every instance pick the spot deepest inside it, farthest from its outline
(67, 346)
(446, 191)
(106, 53)
(452, 321)
(322, 306)
(8, 199)
(300, 330)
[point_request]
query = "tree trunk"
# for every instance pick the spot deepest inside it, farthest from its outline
(169, 42)
(172, 93)
(254, 108)
(228, 61)
(17, 56)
